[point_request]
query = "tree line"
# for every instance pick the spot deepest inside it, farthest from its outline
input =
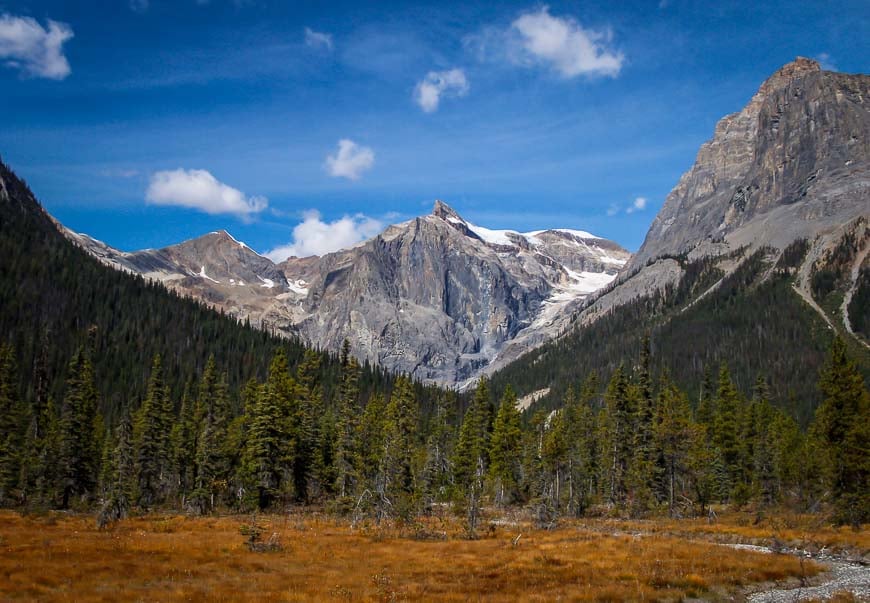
(635, 446)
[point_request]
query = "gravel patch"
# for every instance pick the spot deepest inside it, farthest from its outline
(843, 575)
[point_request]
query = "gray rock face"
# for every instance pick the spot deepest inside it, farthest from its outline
(437, 297)
(793, 163)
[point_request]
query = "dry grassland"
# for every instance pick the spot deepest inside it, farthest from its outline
(54, 557)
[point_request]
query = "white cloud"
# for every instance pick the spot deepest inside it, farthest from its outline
(316, 39)
(436, 84)
(826, 62)
(139, 6)
(313, 236)
(350, 161)
(565, 45)
(613, 209)
(36, 51)
(639, 204)
(198, 189)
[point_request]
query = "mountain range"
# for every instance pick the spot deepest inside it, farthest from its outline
(782, 189)
(437, 296)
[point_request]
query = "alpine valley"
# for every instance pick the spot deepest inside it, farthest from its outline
(443, 411)
(780, 195)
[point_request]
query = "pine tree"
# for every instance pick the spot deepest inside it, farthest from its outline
(306, 414)
(617, 425)
(119, 491)
(582, 438)
(396, 488)
(471, 448)
(346, 425)
(212, 422)
(39, 452)
(437, 474)
(11, 420)
(263, 459)
(674, 433)
(77, 441)
(151, 442)
(643, 471)
(705, 412)
(184, 436)
(370, 435)
(726, 429)
(505, 448)
(842, 423)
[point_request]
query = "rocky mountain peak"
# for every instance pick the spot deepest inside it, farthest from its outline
(783, 76)
(444, 211)
(792, 163)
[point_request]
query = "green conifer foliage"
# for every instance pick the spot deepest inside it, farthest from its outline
(842, 423)
(346, 446)
(151, 441)
(77, 441)
(505, 449)
(396, 487)
(11, 421)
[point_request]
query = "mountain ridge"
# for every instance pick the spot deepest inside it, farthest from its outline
(482, 289)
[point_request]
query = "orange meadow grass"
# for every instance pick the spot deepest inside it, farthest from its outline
(197, 559)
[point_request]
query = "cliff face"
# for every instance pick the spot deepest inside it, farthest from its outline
(793, 163)
(438, 297)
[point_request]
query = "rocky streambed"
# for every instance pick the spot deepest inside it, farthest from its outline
(844, 575)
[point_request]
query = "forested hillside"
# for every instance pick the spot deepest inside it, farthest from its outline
(751, 319)
(55, 298)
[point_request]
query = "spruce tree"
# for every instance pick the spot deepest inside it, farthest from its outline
(346, 424)
(119, 490)
(643, 470)
(77, 440)
(505, 448)
(212, 422)
(151, 442)
(726, 430)
(11, 420)
(39, 451)
(396, 488)
(674, 434)
(437, 475)
(842, 423)
(617, 427)
(263, 459)
(370, 435)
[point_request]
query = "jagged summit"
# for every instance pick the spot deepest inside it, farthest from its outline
(437, 296)
(799, 67)
(793, 162)
(444, 211)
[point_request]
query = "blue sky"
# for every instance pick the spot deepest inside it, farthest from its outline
(144, 123)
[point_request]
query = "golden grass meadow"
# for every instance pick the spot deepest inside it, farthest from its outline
(58, 557)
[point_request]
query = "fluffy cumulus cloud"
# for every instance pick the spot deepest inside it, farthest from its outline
(317, 39)
(350, 160)
(438, 84)
(313, 236)
(565, 45)
(34, 50)
(638, 204)
(198, 189)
